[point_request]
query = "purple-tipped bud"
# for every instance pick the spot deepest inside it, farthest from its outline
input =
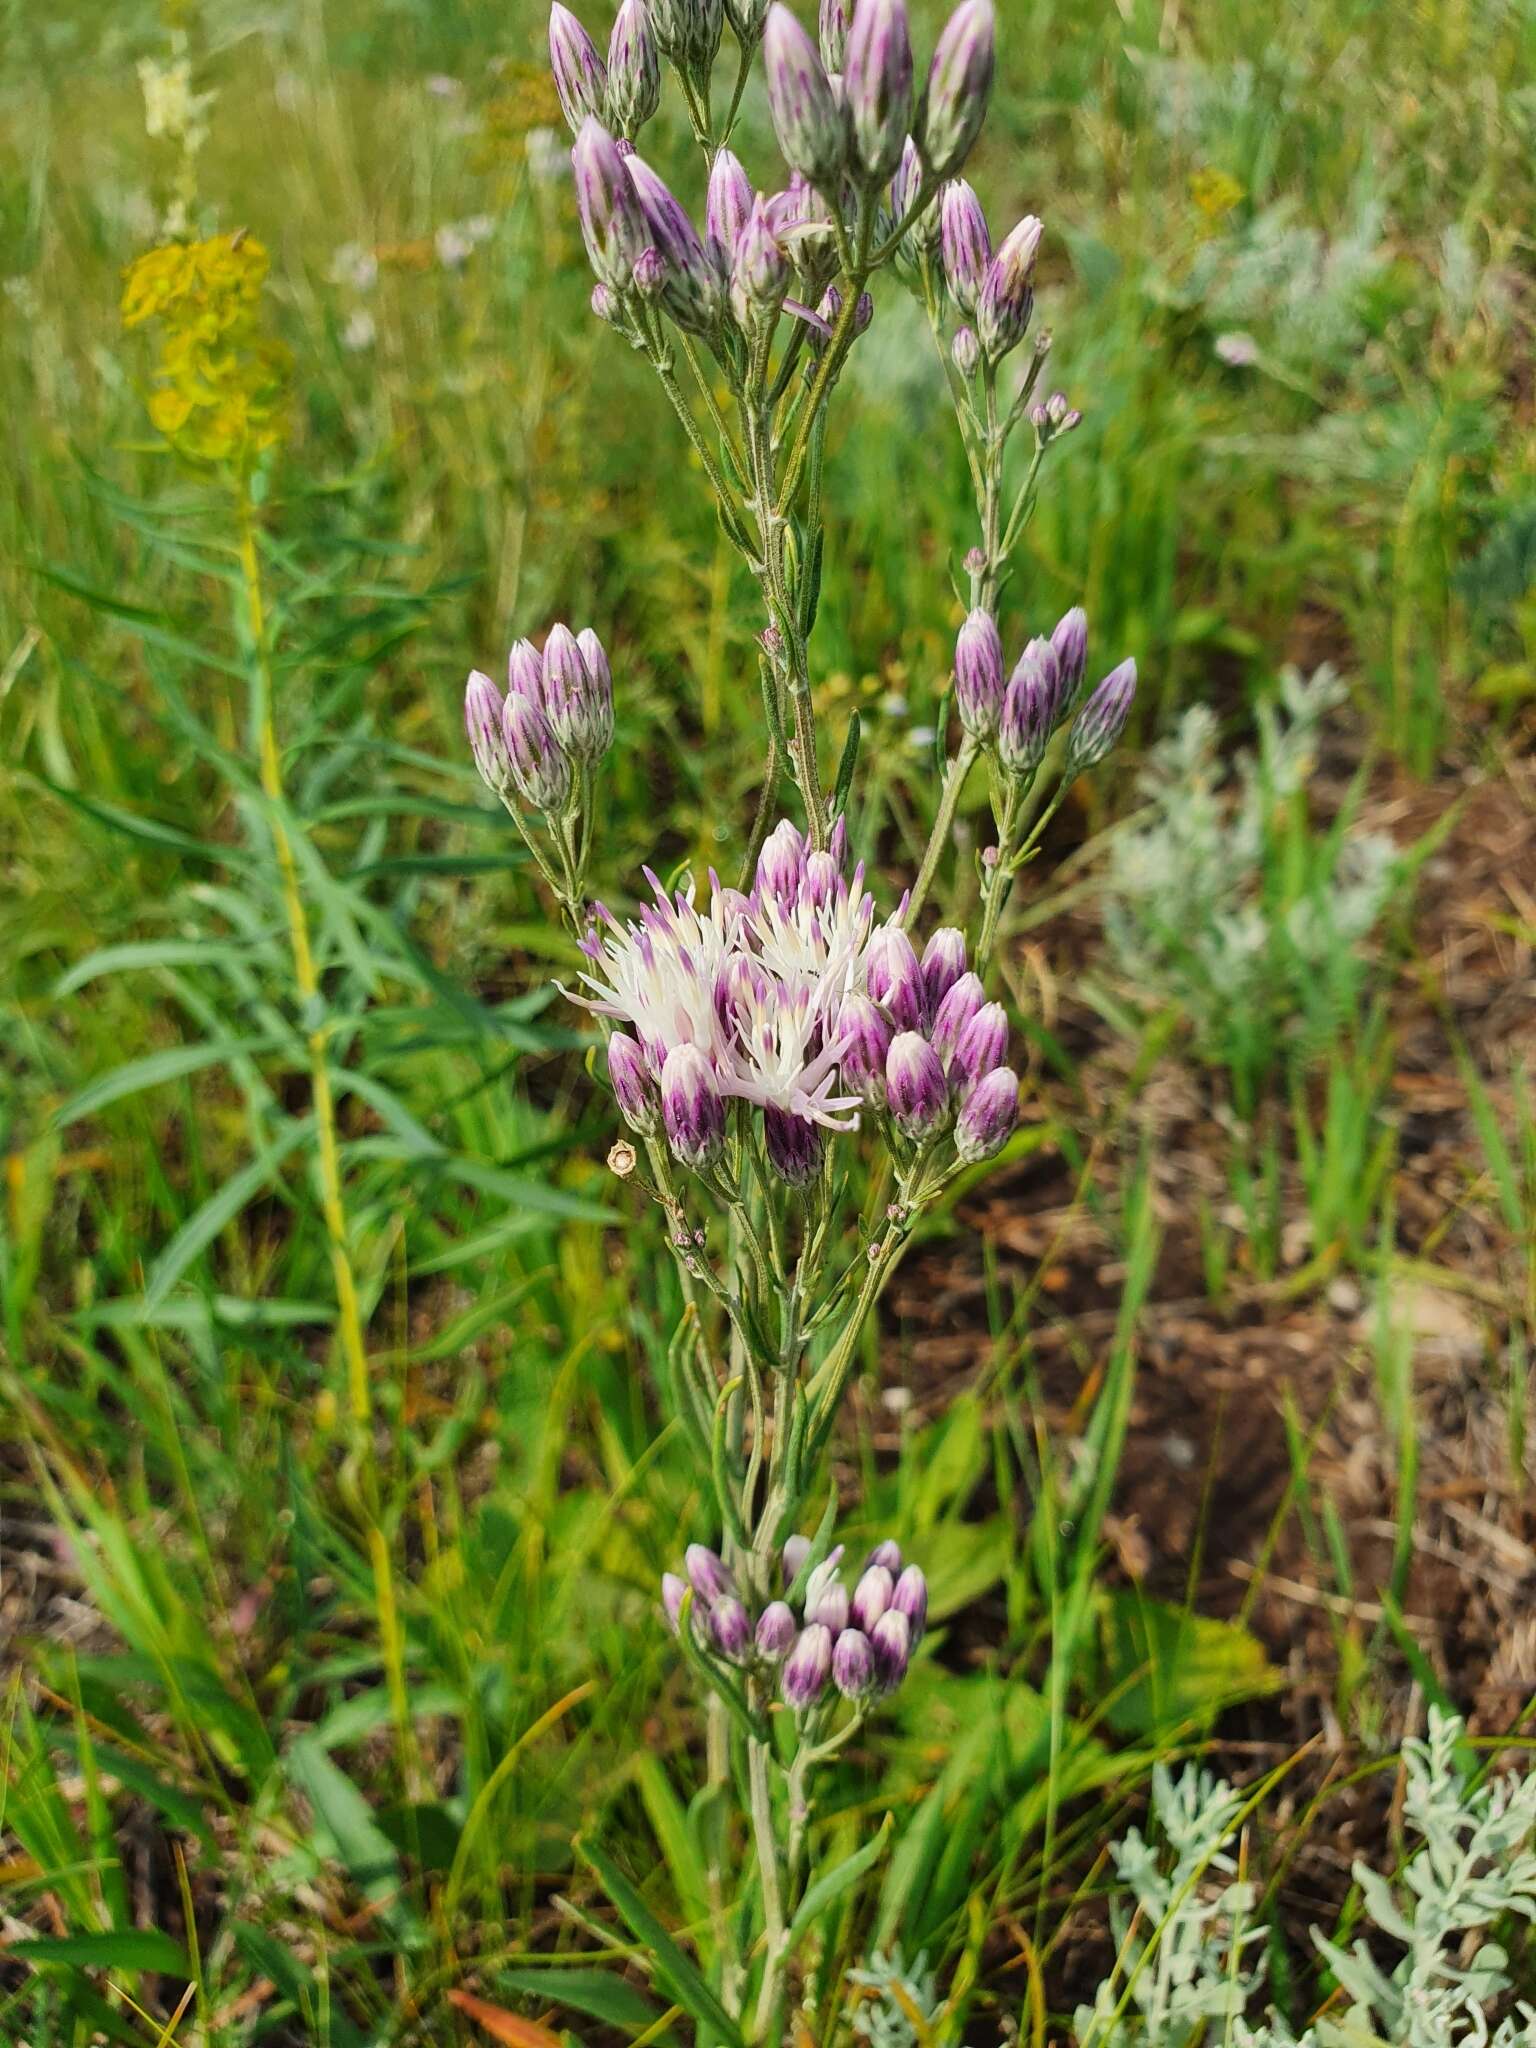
(1070, 644)
(837, 842)
(959, 83)
(877, 85)
(796, 1550)
(871, 1597)
(578, 702)
(525, 672)
(833, 25)
(830, 312)
(807, 1668)
(708, 1574)
(911, 1599)
(907, 187)
(1102, 719)
(633, 1088)
(1007, 295)
(672, 1591)
(966, 243)
(823, 1577)
(781, 863)
(760, 270)
(808, 118)
(731, 1628)
(893, 977)
(539, 765)
(695, 292)
(651, 274)
(634, 69)
(581, 77)
(1031, 708)
(866, 1033)
(981, 1046)
(605, 305)
(487, 741)
(915, 1087)
(943, 964)
(612, 223)
(776, 1630)
(829, 1606)
(793, 1144)
(965, 352)
(887, 1553)
(954, 1013)
(988, 1116)
(727, 207)
(891, 1644)
(691, 1107)
(979, 675)
(822, 879)
(853, 1665)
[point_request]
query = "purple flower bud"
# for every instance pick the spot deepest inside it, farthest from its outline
(911, 1599)
(981, 1045)
(796, 1550)
(954, 1013)
(691, 1107)
(781, 863)
(487, 741)
(1031, 708)
(727, 207)
(979, 675)
(837, 842)
(872, 1596)
(731, 1628)
(833, 25)
(581, 77)
(823, 1577)
(650, 274)
(959, 82)
(965, 352)
(760, 270)
(599, 692)
(887, 1553)
(1007, 296)
(634, 69)
(577, 702)
(605, 305)
(943, 964)
(807, 1668)
(877, 85)
(1102, 719)
(793, 1144)
(866, 1033)
(708, 1573)
(694, 290)
(633, 1088)
(891, 1644)
(539, 765)
(965, 241)
(821, 881)
(894, 978)
(776, 1631)
(916, 1089)
(830, 1606)
(853, 1665)
(988, 1116)
(525, 672)
(907, 187)
(612, 223)
(688, 31)
(807, 118)
(672, 1592)
(1070, 644)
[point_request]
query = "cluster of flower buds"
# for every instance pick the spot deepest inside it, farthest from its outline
(858, 1644)
(623, 93)
(1013, 716)
(992, 289)
(922, 1044)
(556, 717)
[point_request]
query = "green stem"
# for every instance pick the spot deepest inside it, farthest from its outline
(938, 839)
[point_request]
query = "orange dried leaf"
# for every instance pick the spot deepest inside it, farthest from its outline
(505, 2026)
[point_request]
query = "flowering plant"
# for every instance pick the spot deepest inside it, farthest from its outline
(803, 1074)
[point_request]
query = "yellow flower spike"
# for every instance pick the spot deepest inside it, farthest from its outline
(1215, 192)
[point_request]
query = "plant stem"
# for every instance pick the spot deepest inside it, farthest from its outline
(307, 981)
(954, 783)
(771, 1879)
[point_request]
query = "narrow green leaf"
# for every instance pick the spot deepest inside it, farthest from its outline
(601, 1994)
(830, 1886)
(674, 1969)
(221, 1208)
(126, 1948)
(171, 1063)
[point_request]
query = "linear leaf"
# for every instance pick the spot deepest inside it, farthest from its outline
(673, 1968)
(221, 1208)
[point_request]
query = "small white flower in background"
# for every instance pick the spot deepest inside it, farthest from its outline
(354, 266)
(457, 240)
(920, 738)
(444, 87)
(1240, 351)
(549, 161)
(360, 332)
(173, 112)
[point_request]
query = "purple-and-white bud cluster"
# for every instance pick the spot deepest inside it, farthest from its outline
(556, 717)
(856, 1644)
(793, 1002)
(1013, 716)
(993, 289)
